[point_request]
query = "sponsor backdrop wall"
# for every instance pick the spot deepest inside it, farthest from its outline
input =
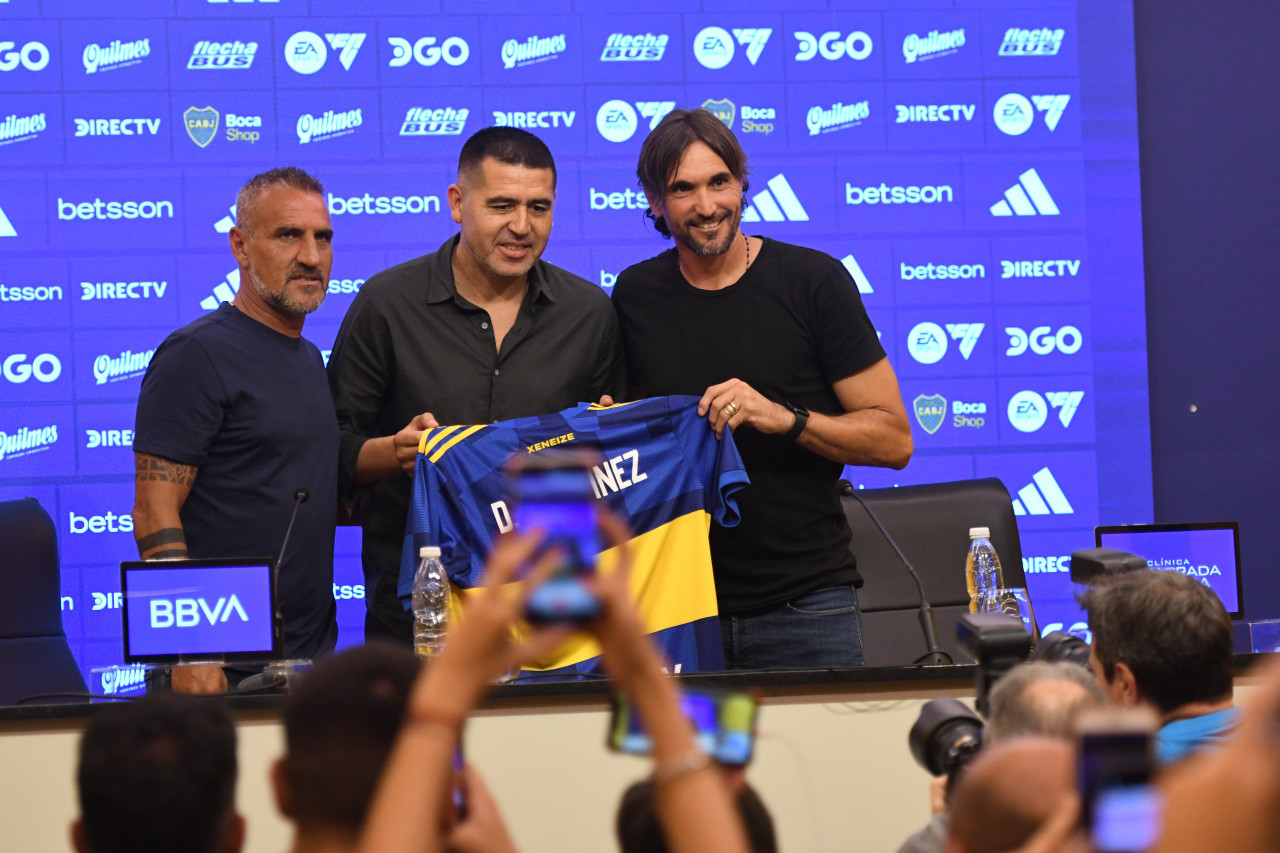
(973, 164)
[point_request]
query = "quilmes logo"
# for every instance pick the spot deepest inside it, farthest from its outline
(452, 51)
(118, 54)
(855, 270)
(127, 365)
(1028, 411)
(839, 116)
(43, 368)
(16, 128)
(778, 203)
(224, 292)
(532, 50)
(624, 47)
(915, 113)
(898, 194)
(438, 121)
(222, 56)
(932, 46)
(618, 120)
(6, 227)
(1042, 496)
(133, 677)
(33, 56)
(1043, 340)
(1028, 197)
(109, 210)
(201, 124)
(713, 47)
(188, 612)
(1041, 42)
(96, 438)
(1014, 114)
(306, 53)
(331, 125)
(930, 410)
(117, 126)
(1039, 269)
(832, 45)
(91, 290)
(927, 342)
(26, 441)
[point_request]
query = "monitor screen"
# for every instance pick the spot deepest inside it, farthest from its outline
(198, 609)
(1208, 552)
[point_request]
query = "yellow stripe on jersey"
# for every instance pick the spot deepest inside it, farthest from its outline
(469, 431)
(596, 407)
(432, 437)
(671, 583)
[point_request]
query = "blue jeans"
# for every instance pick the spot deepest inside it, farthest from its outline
(821, 629)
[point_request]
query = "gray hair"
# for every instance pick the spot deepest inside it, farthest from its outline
(1018, 710)
(285, 176)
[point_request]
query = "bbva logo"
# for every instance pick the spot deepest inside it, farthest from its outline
(186, 612)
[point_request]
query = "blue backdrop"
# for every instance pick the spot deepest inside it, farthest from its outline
(974, 165)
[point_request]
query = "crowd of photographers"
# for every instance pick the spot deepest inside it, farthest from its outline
(370, 736)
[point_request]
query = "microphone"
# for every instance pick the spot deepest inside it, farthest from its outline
(300, 496)
(935, 655)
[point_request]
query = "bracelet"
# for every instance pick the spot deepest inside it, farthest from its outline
(677, 768)
(435, 717)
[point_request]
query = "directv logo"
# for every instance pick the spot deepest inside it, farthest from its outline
(445, 121)
(1028, 197)
(621, 47)
(1048, 499)
(859, 277)
(1041, 42)
(776, 204)
(221, 56)
(224, 292)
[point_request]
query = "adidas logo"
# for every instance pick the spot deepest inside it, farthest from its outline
(1026, 198)
(1048, 499)
(224, 292)
(226, 223)
(859, 277)
(776, 204)
(6, 227)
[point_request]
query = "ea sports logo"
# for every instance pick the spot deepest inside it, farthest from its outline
(1027, 411)
(305, 52)
(1013, 114)
(927, 343)
(617, 121)
(713, 47)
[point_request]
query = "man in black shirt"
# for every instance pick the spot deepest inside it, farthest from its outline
(235, 415)
(776, 341)
(479, 331)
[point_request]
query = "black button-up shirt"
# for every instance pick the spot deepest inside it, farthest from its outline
(410, 344)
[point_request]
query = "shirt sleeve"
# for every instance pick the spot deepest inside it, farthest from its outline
(717, 462)
(360, 367)
(181, 403)
(846, 339)
(610, 374)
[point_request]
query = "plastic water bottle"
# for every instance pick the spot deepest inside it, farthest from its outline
(430, 603)
(982, 567)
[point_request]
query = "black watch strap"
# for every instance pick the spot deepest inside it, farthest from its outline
(802, 420)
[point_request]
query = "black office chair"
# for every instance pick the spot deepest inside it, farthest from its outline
(931, 525)
(34, 655)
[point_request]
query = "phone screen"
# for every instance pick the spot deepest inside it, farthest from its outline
(1126, 817)
(560, 502)
(724, 726)
(459, 793)
(1119, 804)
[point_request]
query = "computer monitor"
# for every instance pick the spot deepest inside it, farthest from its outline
(1208, 551)
(178, 611)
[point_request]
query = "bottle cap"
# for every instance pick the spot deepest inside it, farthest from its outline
(429, 551)
(979, 532)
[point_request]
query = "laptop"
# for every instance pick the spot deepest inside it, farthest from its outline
(1208, 551)
(182, 611)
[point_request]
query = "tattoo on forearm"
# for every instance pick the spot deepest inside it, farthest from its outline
(167, 536)
(166, 554)
(149, 468)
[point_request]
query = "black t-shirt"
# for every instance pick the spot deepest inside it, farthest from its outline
(250, 408)
(791, 327)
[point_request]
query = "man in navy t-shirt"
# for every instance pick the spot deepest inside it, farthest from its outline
(235, 416)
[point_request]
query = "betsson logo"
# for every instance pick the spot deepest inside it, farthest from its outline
(936, 44)
(118, 54)
(332, 124)
(381, 205)
(30, 293)
(939, 272)
(627, 199)
(27, 440)
(534, 49)
(111, 522)
(127, 365)
(885, 194)
(99, 209)
(15, 128)
(452, 51)
(622, 47)
(222, 56)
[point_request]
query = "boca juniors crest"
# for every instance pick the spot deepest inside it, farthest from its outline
(930, 410)
(201, 124)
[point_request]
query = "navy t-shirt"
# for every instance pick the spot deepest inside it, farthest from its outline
(250, 408)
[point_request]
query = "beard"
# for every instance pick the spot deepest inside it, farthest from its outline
(281, 300)
(686, 235)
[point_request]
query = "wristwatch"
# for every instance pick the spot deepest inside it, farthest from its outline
(802, 420)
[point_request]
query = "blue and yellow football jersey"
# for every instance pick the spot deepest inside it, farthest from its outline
(664, 473)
